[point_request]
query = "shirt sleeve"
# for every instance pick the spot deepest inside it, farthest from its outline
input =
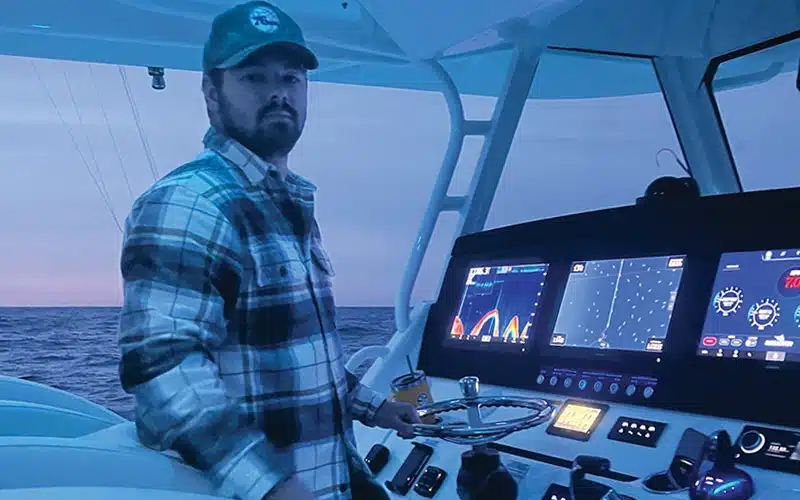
(363, 402)
(180, 269)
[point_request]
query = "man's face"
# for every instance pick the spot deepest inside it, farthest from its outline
(262, 103)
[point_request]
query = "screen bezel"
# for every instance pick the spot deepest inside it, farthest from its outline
(753, 362)
(553, 430)
(502, 347)
(614, 355)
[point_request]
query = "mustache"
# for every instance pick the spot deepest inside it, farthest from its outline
(273, 108)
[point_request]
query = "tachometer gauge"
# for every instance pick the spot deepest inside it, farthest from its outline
(728, 300)
(764, 313)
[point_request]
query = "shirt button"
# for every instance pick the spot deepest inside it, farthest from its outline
(284, 271)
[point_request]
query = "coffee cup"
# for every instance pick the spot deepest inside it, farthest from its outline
(413, 388)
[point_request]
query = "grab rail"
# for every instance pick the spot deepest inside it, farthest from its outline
(473, 208)
(458, 130)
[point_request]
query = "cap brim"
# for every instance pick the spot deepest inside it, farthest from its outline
(299, 52)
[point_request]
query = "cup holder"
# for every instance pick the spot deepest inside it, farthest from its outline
(660, 483)
(676, 478)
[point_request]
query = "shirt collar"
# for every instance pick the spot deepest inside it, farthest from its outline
(254, 169)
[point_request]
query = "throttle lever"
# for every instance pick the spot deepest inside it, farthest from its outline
(589, 464)
(581, 488)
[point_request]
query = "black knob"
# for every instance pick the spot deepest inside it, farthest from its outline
(483, 477)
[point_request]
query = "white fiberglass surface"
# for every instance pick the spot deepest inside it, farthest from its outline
(762, 120)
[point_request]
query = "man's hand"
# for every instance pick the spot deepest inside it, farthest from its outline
(291, 489)
(397, 416)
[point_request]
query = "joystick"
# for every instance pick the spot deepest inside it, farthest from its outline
(723, 479)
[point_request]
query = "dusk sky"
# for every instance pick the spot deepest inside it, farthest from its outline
(374, 153)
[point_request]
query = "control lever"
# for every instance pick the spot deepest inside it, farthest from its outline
(581, 488)
(723, 479)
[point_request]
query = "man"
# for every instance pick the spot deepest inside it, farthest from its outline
(227, 333)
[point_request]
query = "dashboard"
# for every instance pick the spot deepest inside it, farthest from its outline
(649, 327)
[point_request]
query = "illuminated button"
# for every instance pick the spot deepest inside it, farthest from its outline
(709, 341)
(648, 391)
(651, 429)
(752, 442)
(598, 386)
(553, 380)
(630, 390)
(568, 382)
(540, 379)
(582, 384)
(613, 388)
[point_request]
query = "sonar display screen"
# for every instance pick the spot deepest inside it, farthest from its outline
(619, 304)
(499, 304)
(754, 311)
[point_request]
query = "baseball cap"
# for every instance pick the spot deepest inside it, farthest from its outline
(245, 28)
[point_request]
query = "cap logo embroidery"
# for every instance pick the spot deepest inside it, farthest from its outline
(264, 19)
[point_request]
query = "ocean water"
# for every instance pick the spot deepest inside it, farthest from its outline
(75, 349)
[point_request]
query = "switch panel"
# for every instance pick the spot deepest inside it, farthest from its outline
(637, 431)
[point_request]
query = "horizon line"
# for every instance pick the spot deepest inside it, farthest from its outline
(89, 306)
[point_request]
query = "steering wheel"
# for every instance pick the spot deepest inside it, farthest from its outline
(475, 431)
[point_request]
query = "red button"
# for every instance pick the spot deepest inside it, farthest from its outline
(709, 341)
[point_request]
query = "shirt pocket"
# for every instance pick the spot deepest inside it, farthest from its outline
(277, 265)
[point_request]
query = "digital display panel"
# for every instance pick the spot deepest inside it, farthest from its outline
(754, 310)
(577, 419)
(619, 304)
(499, 304)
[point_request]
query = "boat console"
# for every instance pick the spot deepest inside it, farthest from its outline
(657, 347)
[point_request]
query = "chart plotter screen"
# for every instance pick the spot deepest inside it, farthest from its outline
(754, 310)
(499, 304)
(619, 304)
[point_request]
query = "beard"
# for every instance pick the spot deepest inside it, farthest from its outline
(267, 138)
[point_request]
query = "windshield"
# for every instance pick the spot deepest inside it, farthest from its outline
(575, 155)
(762, 120)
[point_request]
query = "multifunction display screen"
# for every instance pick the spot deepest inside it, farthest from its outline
(499, 304)
(619, 304)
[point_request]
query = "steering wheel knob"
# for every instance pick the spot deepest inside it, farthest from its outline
(470, 386)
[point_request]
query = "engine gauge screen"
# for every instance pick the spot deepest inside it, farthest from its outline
(577, 419)
(754, 310)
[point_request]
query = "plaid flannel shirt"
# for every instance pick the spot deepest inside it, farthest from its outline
(228, 333)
